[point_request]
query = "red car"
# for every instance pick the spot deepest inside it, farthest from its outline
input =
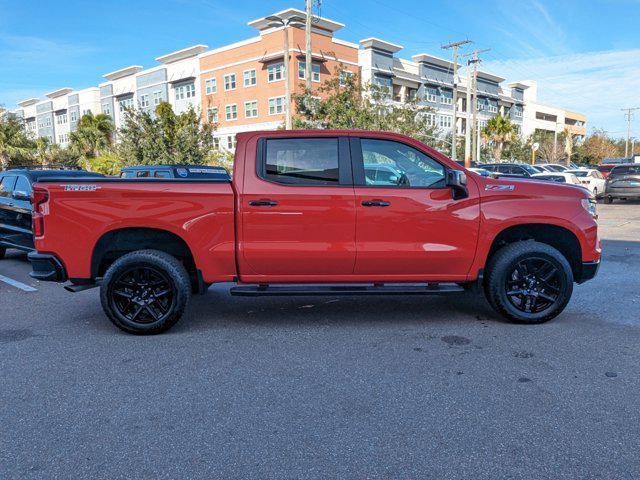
(605, 169)
(312, 213)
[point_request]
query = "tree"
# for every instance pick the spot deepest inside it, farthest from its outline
(165, 137)
(345, 104)
(595, 147)
(92, 137)
(499, 132)
(15, 145)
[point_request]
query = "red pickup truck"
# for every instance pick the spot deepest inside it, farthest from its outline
(311, 213)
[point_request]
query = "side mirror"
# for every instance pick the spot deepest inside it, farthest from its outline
(21, 195)
(457, 180)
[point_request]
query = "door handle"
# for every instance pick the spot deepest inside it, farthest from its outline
(263, 203)
(375, 203)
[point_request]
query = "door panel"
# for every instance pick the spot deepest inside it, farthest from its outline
(414, 227)
(298, 210)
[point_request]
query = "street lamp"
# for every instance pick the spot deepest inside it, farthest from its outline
(277, 22)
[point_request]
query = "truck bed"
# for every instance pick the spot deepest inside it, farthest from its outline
(82, 211)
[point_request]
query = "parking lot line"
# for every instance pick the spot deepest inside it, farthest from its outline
(17, 284)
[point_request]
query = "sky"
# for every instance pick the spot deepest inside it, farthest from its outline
(585, 54)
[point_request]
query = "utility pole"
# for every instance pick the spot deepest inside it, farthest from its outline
(308, 58)
(285, 23)
(455, 46)
(468, 126)
(629, 116)
(474, 110)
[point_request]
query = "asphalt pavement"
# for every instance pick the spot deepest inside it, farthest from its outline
(324, 388)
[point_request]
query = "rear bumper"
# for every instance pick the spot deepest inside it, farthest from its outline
(589, 270)
(46, 267)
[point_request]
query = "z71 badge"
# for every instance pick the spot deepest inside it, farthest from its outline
(80, 188)
(492, 188)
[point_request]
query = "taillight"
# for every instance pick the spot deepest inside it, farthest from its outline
(39, 198)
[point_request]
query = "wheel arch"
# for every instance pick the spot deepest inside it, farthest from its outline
(118, 242)
(558, 237)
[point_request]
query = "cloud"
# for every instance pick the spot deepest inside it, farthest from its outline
(598, 84)
(20, 52)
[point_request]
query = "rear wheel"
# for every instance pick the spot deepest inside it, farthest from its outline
(2, 252)
(609, 200)
(529, 282)
(145, 292)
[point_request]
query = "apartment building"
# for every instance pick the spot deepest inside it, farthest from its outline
(175, 81)
(538, 116)
(429, 79)
(57, 116)
(243, 85)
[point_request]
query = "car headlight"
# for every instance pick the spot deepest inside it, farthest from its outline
(589, 204)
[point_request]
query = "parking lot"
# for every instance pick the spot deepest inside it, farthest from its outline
(354, 387)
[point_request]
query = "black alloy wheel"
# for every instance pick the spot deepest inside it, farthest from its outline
(533, 285)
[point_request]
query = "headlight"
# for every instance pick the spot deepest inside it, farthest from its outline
(589, 205)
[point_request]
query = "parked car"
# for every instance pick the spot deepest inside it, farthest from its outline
(15, 204)
(592, 179)
(189, 172)
(605, 169)
(521, 170)
(558, 177)
(381, 174)
(623, 183)
(301, 217)
(552, 167)
(483, 172)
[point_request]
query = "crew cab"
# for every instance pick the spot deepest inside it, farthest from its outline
(302, 216)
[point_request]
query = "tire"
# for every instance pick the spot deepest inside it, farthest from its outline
(595, 193)
(513, 269)
(609, 200)
(145, 292)
(3, 250)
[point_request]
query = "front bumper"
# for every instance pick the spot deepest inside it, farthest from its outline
(46, 267)
(589, 270)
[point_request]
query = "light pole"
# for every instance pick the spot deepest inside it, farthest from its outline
(277, 22)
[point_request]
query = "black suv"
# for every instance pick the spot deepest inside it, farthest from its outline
(521, 170)
(15, 204)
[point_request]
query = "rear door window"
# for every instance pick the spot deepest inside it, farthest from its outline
(22, 185)
(302, 161)
(143, 173)
(162, 174)
(6, 186)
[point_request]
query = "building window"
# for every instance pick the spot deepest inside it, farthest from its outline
(446, 100)
(275, 72)
(231, 112)
(385, 84)
(431, 119)
(216, 143)
(212, 114)
(185, 91)
(432, 95)
(444, 121)
(492, 108)
(125, 103)
(144, 101)
(344, 75)
(88, 111)
(230, 81)
(61, 119)
(517, 111)
(276, 105)
(315, 71)
(231, 142)
(63, 138)
(210, 86)
(250, 78)
(106, 109)
(251, 109)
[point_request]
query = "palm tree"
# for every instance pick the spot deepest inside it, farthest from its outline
(499, 132)
(93, 136)
(14, 142)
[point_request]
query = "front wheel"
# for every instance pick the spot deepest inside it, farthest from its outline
(609, 200)
(529, 282)
(145, 292)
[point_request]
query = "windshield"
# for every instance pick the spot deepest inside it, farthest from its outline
(581, 173)
(531, 169)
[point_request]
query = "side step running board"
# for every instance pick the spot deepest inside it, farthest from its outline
(313, 290)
